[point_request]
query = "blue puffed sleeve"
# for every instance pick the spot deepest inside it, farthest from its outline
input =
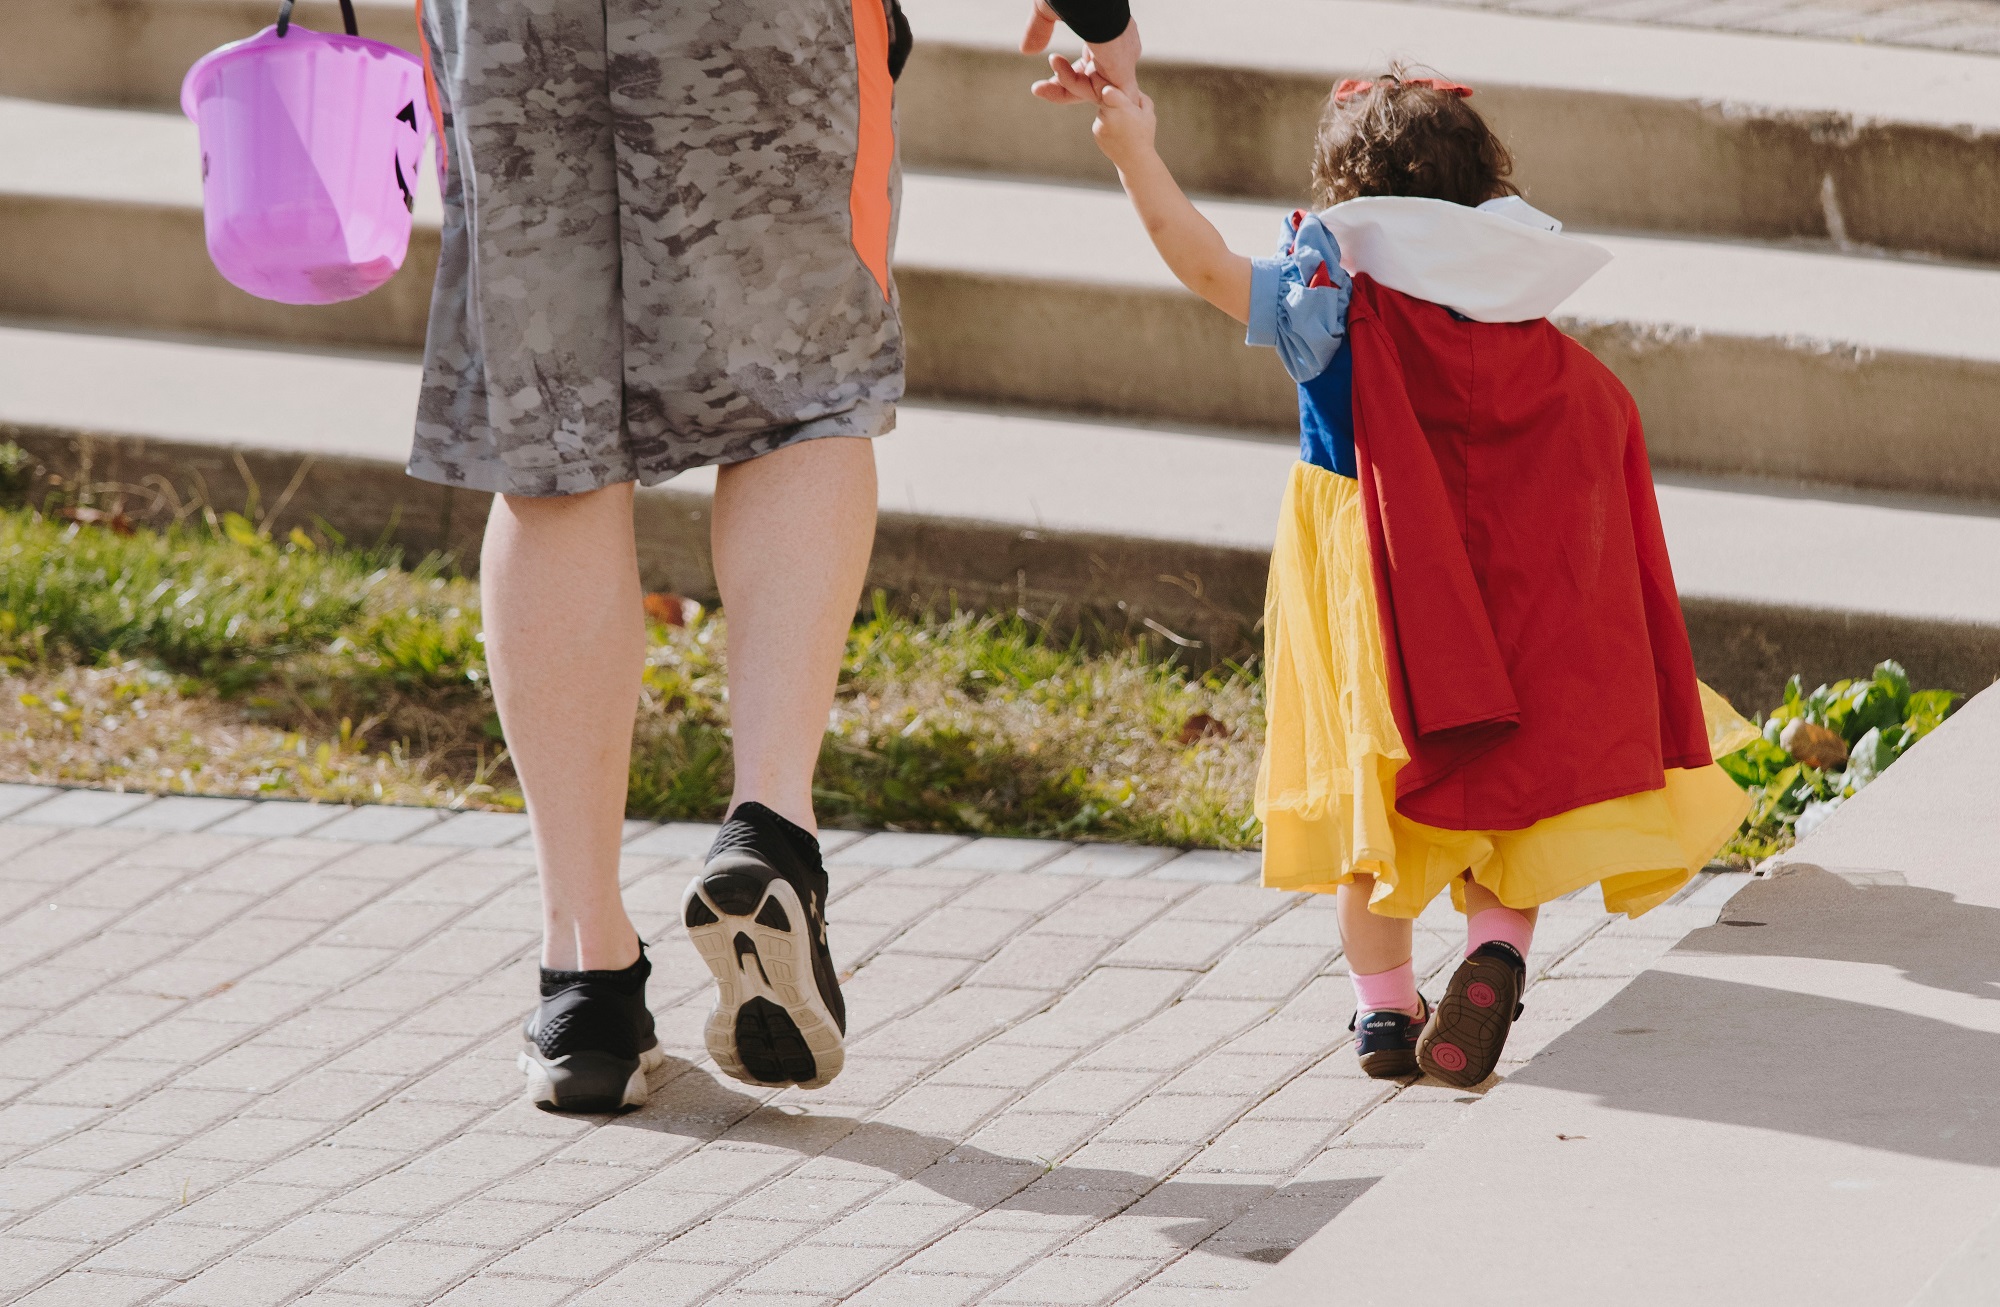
(1306, 323)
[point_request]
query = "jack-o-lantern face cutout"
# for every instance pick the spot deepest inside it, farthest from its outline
(408, 117)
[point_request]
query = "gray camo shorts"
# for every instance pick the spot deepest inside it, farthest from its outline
(666, 239)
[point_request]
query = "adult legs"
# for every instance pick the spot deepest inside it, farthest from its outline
(565, 646)
(791, 537)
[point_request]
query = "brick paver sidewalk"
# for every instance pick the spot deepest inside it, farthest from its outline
(248, 1062)
(1969, 25)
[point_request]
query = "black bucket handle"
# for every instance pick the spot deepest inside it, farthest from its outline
(346, 14)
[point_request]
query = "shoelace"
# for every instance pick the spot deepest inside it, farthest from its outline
(735, 837)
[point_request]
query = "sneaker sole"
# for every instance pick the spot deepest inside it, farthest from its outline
(1400, 1065)
(1462, 1042)
(589, 1084)
(770, 1026)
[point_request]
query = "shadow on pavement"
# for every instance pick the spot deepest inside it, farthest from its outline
(694, 1103)
(1718, 1050)
(1926, 934)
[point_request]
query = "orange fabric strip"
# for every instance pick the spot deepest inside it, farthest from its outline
(875, 152)
(431, 91)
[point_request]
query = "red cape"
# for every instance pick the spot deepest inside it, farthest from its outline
(1537, 658)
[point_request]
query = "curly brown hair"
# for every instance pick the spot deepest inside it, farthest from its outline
(1405, 137)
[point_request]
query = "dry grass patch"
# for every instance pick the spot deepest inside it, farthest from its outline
(130, 727)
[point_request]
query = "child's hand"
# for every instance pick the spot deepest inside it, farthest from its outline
(1124, 127)
(1189, 243)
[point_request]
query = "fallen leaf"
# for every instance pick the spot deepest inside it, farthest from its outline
(1813, 744)
(118, 522)
(1203, 727)
(671, 609)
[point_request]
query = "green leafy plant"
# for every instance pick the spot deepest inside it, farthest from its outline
(1876, 719)
(418, 648)
(183, 596)
(17, 468)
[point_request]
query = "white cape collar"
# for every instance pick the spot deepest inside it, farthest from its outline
(1505, 261)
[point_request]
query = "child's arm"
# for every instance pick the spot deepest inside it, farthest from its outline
(1189, 243)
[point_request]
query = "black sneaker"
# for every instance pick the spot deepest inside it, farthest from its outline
(1386, 1042)
(591, 1041)
(1461, 1044)
(757, 913)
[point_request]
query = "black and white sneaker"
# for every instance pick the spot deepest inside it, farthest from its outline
(591, 1041)
(757, 913)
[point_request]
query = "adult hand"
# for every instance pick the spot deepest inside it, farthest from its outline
(1106, 63)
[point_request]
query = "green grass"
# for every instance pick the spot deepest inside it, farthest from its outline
(976, 724)
(192, 599)
(206, 657)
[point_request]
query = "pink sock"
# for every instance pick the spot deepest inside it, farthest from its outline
(1502, 924)
(1388, 991)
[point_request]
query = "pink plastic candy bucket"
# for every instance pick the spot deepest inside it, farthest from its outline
(310, 145)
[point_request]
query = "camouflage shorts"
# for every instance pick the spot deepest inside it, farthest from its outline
(666, 240)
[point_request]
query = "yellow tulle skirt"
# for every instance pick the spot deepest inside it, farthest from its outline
(1326, 789)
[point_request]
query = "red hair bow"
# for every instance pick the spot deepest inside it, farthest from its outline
(1351, 86)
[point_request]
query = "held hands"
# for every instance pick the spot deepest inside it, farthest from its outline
(1107, 77)
(1107, 63)
(1125, 126)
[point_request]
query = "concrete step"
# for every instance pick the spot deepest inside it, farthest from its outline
(1135, 528)
(1860, 971)
(135, 52)
(1746, 359)
(1615, 126)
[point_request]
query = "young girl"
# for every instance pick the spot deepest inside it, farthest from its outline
(1476, 670)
